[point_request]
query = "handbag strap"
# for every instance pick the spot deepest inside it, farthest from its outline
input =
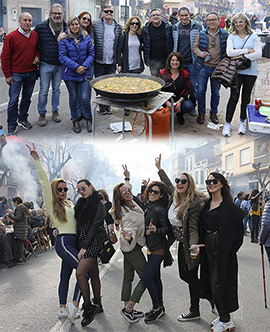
(245, 41)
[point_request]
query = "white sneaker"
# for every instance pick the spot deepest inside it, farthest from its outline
(223, 327)
(71, 312)
(215, 321)
(226, 130)
(62, 313)
(242, 128)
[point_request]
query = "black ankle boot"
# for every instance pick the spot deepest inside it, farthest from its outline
(97, 302)
(89, 313)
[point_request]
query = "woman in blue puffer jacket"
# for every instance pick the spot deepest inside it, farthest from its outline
(76, 54)
(265, 229)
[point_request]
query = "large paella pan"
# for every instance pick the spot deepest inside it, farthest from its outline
(127, 87)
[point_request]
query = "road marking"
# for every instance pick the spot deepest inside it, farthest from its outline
(4, 105)
(65, 325)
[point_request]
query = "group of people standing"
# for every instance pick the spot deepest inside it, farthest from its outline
(209, 232)
(82, 47)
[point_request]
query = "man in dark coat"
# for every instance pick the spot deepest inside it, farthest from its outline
(157, 40)
(50, 67)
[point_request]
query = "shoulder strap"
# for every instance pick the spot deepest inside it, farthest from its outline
(246, 41)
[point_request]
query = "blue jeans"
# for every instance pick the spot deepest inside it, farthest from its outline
(103, 69)
(79, 91)
(152, 279)
(193, 78)
(187, 106)
(246, 220)
(49, 73)
(203, 76)
(26, 82)
(79, 107)
(66, 249)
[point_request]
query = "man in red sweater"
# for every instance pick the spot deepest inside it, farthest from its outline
(19, 61)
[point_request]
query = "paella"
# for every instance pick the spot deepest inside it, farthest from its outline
(127, 85)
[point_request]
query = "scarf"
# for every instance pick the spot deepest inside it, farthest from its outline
(56, 29)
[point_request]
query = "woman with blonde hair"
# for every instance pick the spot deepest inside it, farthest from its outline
(61, 211)
(130, 217)
(242, 43)
(129, 55)
(185, 206)
(76, 54)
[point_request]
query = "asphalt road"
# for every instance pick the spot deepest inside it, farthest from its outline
(29, 301)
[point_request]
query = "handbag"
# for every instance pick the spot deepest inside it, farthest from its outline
(107, 252)
(112, 237)
(243, 63)
(225, 72)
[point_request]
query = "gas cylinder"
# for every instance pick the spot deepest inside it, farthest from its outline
(160, 124)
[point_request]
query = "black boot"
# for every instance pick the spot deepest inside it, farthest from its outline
(97, 301)
(89, 313)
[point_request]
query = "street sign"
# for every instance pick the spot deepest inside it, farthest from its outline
(166, 7)
(197, 4)
(132, 3)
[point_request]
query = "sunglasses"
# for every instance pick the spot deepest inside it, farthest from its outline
(125, 192)
(81, 190)
(109, 11)
(86, 19)
(183, 181)
(134, 23)
(155, 192)
(214, 181)
(60, 189)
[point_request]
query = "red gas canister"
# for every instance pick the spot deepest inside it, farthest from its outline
(160, 124)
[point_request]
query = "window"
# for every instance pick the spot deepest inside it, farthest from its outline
(191, 164)
(196, 177)
(244, 156)
(36, 14)
(123, 11)
(229, 162)
(202, 177)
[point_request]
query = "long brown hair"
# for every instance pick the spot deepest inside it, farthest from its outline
(225, 190)
(59, 204)
(191, 193)
(89, 28)
(118, 201)
(179, 58)
(140, 28)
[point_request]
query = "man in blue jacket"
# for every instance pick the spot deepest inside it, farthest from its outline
(50, 67)
(210, 48)
(157, 40)
(184, 36)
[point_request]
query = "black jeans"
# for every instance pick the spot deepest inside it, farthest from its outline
(255, 227)
(152, 279)
(156, 65)
(103, 69)
(190, 277)
(211, 243)
(247, 83)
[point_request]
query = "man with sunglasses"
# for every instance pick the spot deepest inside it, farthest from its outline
(184, 35)
(210, 48)
(106, 37)
(157, 40)
(50, 67)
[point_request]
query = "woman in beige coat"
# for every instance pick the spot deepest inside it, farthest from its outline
(130, 217)
(184, 210)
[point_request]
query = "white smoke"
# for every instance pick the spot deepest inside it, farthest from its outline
(20, 172)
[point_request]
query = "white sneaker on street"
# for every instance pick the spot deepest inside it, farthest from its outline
(62, 313)
(242, 128)
(215, 321)
(71, 312)
(223, 327)
(226, 129)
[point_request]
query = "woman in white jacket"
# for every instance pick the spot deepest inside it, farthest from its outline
(242, 42)
(130, 217)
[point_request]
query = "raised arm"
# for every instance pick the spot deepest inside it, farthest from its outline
(163, 176)
(43, 178)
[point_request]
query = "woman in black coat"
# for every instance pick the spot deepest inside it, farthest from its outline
(89, 214)
(221, 230)
(129, 55)
(156, 226)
